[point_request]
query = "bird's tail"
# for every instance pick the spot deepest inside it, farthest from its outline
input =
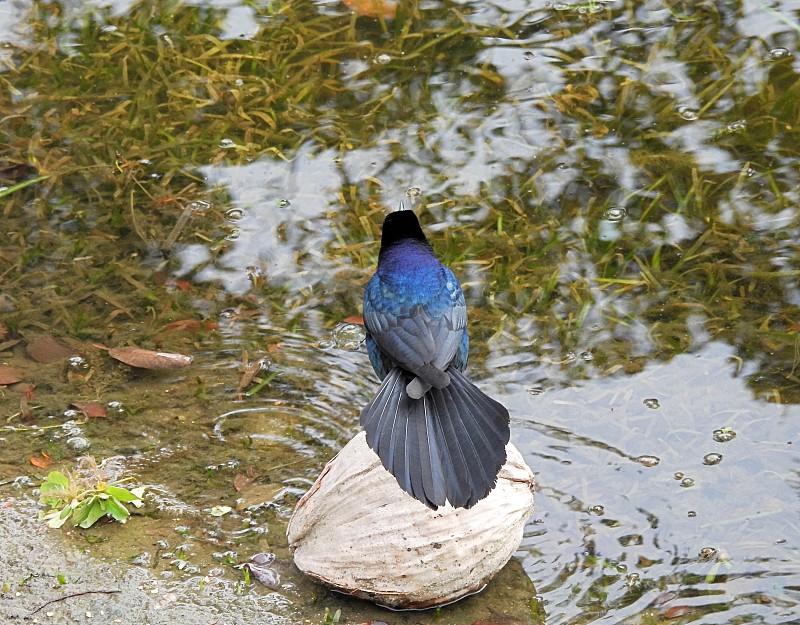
(449, 445)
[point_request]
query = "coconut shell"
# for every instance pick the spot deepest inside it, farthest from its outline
(358, 532)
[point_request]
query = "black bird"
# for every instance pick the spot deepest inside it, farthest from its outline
(441, 437)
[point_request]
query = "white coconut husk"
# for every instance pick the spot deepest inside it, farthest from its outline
(356, 531)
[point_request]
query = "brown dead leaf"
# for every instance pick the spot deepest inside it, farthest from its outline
(16, 172)
(90, 409)
(23, 387)
(677, 611)
(356, 319)
(46, 348)
(9, 375)
(250, 371)
(191, 325)
(148, 359)
(372, 8)
(242, 482)
(43, 460)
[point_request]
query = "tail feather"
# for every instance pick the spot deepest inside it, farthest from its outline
(448, 445)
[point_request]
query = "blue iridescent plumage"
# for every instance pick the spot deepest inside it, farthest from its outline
(440, 436)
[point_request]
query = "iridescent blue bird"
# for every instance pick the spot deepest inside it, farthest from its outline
(441, 437)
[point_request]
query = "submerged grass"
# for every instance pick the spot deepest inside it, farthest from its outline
(134, 104)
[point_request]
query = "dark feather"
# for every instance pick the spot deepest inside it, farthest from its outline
(448, 445)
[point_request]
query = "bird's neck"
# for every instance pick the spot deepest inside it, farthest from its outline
(407, 255)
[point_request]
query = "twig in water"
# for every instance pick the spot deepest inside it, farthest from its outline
(74, 594)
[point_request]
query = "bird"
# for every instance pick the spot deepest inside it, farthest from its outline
(441, 437)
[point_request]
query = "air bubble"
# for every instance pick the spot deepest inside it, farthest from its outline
(648, 461)
(535, 390)
(633, 580)
(707, 553)
(349, 336)
(712, 459)
(776, 54)
(597, 510)
(587, 356)
(116, 407)
(687, 482)
(234, 214)
(284, 203)
(687, 113)
(382, 59)
(615, 214)
(77, 362)
(529, 55)
(413, 191)
(723, 435)
(652, 403)
(226, 144)
(199, 206)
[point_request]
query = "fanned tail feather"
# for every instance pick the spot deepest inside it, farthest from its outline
(449, 445)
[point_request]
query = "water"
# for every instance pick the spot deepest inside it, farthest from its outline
(614, 183)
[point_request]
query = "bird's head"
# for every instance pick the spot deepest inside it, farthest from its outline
(399, 226)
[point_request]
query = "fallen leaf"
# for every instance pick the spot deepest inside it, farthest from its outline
(23, 387)
(372, 8)
(148, 359)
(677, 611)
(9, 375)
(250, 371)
(191, 325)
(356, 319)
(46, 348)
(43, 461)
(91, 410)
(16, 171)
(241, 482)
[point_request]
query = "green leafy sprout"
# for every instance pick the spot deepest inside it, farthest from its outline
(86, 500)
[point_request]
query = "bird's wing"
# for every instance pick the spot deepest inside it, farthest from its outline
(416, 335)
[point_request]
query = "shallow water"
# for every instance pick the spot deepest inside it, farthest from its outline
(615, 184)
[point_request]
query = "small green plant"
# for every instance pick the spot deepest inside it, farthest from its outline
(86, 498)
(331, 618)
